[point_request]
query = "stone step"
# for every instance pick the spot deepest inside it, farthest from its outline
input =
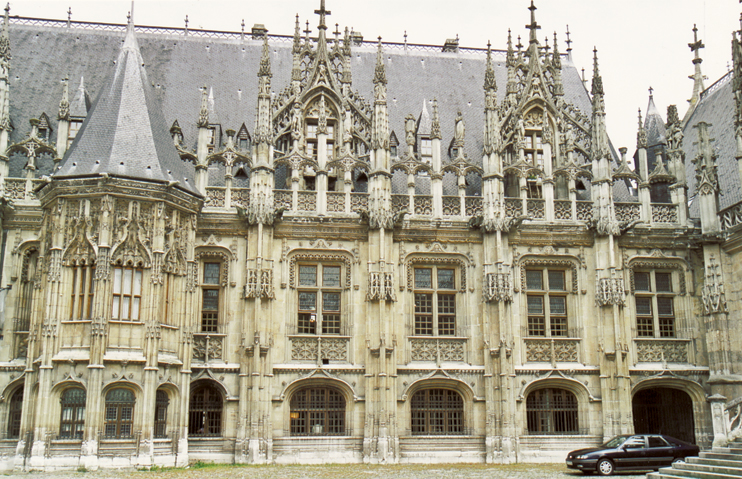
(720, 462)
(713, 468)
(720, 455)
(673, 473)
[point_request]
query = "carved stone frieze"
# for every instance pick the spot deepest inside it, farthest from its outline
(313, 349)
(498, 287)
(259, 283)
(437, 349)
(207, 348)
(662, 351)
(380, 286)
(714, 299)
(552, 350)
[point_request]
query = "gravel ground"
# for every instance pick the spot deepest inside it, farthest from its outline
(336, 471)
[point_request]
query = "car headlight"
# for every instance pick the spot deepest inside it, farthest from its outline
(584, 456)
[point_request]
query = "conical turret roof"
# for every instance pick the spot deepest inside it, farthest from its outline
(654, 124)
(125, 133)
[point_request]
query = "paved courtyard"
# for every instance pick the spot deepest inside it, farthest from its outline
(354, 471)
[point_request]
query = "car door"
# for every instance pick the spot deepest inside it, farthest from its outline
(659, 452)
(634, 454)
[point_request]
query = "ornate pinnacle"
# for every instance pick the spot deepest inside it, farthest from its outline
(555, 55)
(322, 12)
(203, 115)
(489, 72)
(5, 41)
(297, 37)
(597, 87)
(435, 126)
(64, 103)
(511, 53)
(641, 134)
(672, 116)
(380, 71)
(265, 60)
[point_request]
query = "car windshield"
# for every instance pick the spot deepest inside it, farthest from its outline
(616, 441)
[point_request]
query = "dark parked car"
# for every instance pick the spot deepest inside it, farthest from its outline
(640, 451)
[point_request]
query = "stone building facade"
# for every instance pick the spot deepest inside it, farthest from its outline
(312, 248)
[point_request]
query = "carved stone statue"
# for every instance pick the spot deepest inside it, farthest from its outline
(409, 128)
(460, 129)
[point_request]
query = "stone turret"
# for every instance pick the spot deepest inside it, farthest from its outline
(5, 124)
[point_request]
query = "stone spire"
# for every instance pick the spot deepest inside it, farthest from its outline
(81, 104)
(380, 120)
(557, 62)
(597, 86)
(697, 76)
(5, 76)
(125, 132)
(347, 75)
(654, 124)
(265, 60)
(600, 137)
(263, 127)
(676, 162)
(490, 105)
(489, 72)
(512, 87)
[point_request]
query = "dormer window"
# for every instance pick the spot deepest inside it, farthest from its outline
(243, 139)
(426, 149)
(312, 136)
(74, 128)
(211, 139)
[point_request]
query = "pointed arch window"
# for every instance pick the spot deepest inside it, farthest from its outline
(205, 412)
(119, 419)
(437, 412)
(72, 420)
(161, 403)
(317, 411)
(552, 411)
(15, 413)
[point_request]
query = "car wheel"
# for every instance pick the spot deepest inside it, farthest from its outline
(605, 467)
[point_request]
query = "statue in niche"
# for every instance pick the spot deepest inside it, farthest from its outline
(460, 129)
(296, 122)
(409, 128)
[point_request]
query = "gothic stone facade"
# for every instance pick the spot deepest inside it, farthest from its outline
(347, 273)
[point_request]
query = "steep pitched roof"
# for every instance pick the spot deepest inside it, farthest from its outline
(125, 133)
(654, 124)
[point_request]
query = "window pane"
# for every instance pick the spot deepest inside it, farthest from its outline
(664, 306)
(125, 307)
(211, 300)
(663, 282)
(137, 282)
(211, 273)
(557, 305)
(644, 327)
(115, 309)
(446, 279)
(127, 281)
(641, 282)
(644, 306)
(135, 308)
(307, 275)
(117, 280)
(331, 276)
(535, 305)
(534, 280)
(556, 280)
(307, 301)
(423, 278)
(423, 303)
(331, 301)
(536, 326)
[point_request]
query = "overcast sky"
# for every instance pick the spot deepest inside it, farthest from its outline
(641, 43)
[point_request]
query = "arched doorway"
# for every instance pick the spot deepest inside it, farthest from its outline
(664, 411)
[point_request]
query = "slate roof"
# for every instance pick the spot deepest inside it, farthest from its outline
(716, 107)
(125, 132)
(178, 66)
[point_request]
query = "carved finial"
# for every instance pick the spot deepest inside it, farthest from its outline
(555, 54)
(435, 126)
(322, 12)
(489, 72)
(242, 29)
(307, 31)
(380, 71)
(569, 41)
(405, 39)
(297, 36)
(519, 45)
(641, 134)
(5, 45)
(69, 14)
(597, 87)
(533, 26)
(510, 59)
(186, 25)
(651, 90)
(203, 115)
(265, 60)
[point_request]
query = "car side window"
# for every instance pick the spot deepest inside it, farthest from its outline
(656, 441)
(634, 443)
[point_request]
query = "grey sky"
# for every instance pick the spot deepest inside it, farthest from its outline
(640, 43)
